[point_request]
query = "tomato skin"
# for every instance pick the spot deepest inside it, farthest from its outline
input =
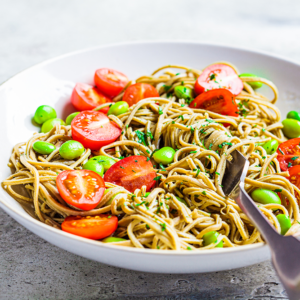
(87, 97)
(220, 101)
(219, 76)
(295, 178)
(93, 129)
(95, 227)
(109, 81)
(286, 151)
(132, 173)
(89, 188)
(139, 91)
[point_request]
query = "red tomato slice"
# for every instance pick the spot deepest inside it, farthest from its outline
(295, 178)
(219, 76)
(82, 189)
(91, 227)
(220, 101)
(87, 97)
(132, 173)
(289, 154)
(109, 81)
(93, 129)
(139, 91)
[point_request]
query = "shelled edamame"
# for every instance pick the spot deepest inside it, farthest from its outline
(71, 149)
(165, 155)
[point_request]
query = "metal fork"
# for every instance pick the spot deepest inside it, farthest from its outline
(285, 250)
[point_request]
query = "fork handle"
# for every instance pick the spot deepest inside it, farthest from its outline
(285, 249)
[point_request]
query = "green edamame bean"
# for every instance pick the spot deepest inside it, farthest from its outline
(44, 113)
(182, 92)
(293, 115)
(182, 201)
(164, 155)
(211, 237)
(49, 124)
(112, 239)
(70, 117)
(285, 223)
(94, 165)
(107, 162)
(120, 107)
(271, 146)
(43, 147)
(265, 196)
(291, 128)
(253, 84)
(71, 150)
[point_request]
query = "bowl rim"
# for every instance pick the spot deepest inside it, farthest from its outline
(216, 251)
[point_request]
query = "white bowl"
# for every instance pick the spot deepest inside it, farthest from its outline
(51, 83)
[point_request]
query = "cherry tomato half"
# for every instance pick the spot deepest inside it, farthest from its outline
(132, 173)
(109, 81)
(80, 188)
(87, 97)
(220, 101)
(139, 91)
(93, 129)
(295, 178)
(289, 154)
(219, 76)
(91, 227)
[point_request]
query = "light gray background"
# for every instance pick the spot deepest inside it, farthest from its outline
(34, 30)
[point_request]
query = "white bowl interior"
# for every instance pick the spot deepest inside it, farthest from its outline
(52, 83)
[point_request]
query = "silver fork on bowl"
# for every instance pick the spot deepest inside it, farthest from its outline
(285, 250)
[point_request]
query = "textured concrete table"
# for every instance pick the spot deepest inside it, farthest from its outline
(34, 30)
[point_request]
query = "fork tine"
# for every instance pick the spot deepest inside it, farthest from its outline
(233, 172)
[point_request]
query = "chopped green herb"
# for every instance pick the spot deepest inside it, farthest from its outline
(167, 87)
(160, 111)
(162, 167)
(280, 151)
(193, 152)
(294, 158)
(289, 164)
(204, 193)
(278, 190)
(163, 226)
(141, 137)
(189, 248)
(212, 76)
(157, 178)
(217, 173)
(122, 167)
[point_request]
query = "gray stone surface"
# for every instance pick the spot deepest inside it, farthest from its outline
(34, 30)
